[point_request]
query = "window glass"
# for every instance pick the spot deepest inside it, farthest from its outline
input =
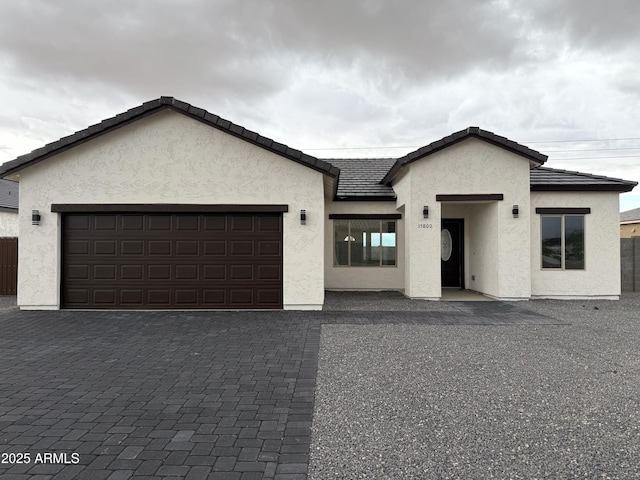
(574, 242)
(551, 242)
(388, 243)
(364, 243)
(341, 242)
(365, 248)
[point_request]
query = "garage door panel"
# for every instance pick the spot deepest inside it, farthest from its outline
(187, 247)
(132, 247)
(132, 272)
(159, 297)
(104, 272)
(160, 247)
(132, 223)
(105, 297)
(104, 247)
(132, 297)
(159, 222)
(172, 261)
(189, 223)
(105, 222)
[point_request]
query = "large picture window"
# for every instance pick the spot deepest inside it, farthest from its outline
(364, 243)
(563, 242)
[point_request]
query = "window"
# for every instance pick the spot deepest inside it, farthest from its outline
(563, 242)
(365, 243)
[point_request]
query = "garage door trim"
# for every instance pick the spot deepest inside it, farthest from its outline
(164, 208)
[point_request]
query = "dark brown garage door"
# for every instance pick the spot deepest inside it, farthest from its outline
(172, 261)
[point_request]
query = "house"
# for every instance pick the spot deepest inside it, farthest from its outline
(9, 194)
(169, 206)
(630, 223)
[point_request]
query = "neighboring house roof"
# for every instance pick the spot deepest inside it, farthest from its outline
(9, 195)
(544, 179)
(154, 106)
(454, 138)
(630, 216)
(360, 178)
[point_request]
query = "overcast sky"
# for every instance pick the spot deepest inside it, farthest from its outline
(555, 75)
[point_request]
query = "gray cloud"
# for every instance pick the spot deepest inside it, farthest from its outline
(330, 73)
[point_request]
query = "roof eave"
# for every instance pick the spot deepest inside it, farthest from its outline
(471, 132)
(154, 106)
(622, 188)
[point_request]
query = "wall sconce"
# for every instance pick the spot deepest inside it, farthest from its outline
(35, 217)
(515, 211)
(303, 217)
(425, 212)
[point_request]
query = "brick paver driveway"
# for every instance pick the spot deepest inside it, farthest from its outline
(97, 395)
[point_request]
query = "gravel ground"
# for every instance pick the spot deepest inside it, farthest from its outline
(476, 402)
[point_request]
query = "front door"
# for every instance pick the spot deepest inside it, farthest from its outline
(452, 252)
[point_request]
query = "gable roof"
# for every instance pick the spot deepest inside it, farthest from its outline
(152, 107)
(457, 137)
(9, 194)
(545, 179)
(630, 216)
(360, 178)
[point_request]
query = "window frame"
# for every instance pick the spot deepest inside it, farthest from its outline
(381, 221)
(563, 234)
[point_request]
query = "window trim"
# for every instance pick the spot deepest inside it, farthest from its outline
(381, 218)
(570, 213)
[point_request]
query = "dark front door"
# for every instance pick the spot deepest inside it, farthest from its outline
(452, 252)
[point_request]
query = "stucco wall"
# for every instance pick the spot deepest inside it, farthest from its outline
(363, 278)
(9, 224)
(601, 276)
(629, 230)
(469, 167)
(170, 158)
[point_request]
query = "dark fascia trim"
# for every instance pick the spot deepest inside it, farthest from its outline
(151, 107)
(620, 188)
(9, 209)
(470, 198)
(563, 211)
(365, 216)
(163, 208)
(364, 198)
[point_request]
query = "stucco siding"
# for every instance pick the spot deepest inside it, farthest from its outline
(9, 224)
(629, 230)
(171, 158)
(363, 278)
(601, 276)
(470, 167)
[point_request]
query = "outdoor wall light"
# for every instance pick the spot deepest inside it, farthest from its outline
(425, 212)
(35, 217)
(303, 217)
(515, 211)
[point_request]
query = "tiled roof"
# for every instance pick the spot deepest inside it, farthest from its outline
(9, 193)
(630, 215)
(476, 132)
(360, 178)
(154, 106)
(551, 179)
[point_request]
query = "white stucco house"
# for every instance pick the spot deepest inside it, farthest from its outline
(168, 206)
(9, 195)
